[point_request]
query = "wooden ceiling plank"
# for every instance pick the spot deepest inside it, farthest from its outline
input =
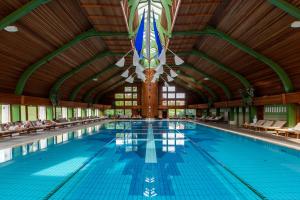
(53, 94)
(32, 68)
(100, 5)
(79, 86)
(286, 82)
(19, 13)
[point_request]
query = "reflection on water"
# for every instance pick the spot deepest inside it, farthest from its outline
(130, 134)
(127, 140)
(42, 144)
(171, 140)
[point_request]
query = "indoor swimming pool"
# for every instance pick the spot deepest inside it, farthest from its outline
(149, 160)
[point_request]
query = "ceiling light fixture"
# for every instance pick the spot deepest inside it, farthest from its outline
(11, 29)
(295, 24)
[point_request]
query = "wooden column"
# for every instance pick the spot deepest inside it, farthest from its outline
(149, 96)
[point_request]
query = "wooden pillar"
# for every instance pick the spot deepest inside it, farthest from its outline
(260, 112)
(149, 96)
(244, 115)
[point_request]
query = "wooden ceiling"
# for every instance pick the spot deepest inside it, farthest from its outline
(256, 23)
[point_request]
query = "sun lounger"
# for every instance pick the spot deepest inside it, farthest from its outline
(216, 119)
(286, 131)
(276, 125)
(253, 125)
(268, 123)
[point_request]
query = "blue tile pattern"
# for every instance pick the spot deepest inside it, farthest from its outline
(193, 162)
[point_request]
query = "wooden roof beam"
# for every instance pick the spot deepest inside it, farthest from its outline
(100, 5)
(19, 13)
(53, 94)
(93, 17)
(37, 65)
(198, 4)
(283, 76)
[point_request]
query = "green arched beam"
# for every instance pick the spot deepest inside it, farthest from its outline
(286, 82)
(87, 97)
(220, 65)
(19, 13)
(132, 4)
(287, 7)
(211, 78)
(187, 86)
(58, 83)
(205, 87)
(31, 69)
(98, 96)
(78, 87)
(166, 4)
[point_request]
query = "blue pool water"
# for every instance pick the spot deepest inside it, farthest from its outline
(149, 160)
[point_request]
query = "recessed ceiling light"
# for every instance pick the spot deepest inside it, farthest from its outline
(206, 79)
(95, 79)
(295, 24)
(11, 29)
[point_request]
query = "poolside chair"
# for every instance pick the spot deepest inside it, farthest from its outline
(258, 123)
(218, 118)
(268, 123)
(276, 125)
(200, 118)
(295, 130)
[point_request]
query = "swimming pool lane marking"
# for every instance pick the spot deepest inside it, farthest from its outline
(57, 188)
(150, 156)
(204, 152)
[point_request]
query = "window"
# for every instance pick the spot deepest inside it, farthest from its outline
(119, 103)
(58, 112)
(5, 113)
(128, 95)
(119, 112)
(191, 112)
(128, 89)
(164, 103)
(64, 112)
(180, 112)
(171, 95)
(96, 113)
(23, 113)
(180, 95)
(119, 96)
(41, 112)
(128, 112)
(32, 113)
(109, 112)
(180, 103)
(78, 112)
(171, 112)
(89, 112)
(171, 89)
(171, 103)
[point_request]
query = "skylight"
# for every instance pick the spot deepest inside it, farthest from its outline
(156, 8)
